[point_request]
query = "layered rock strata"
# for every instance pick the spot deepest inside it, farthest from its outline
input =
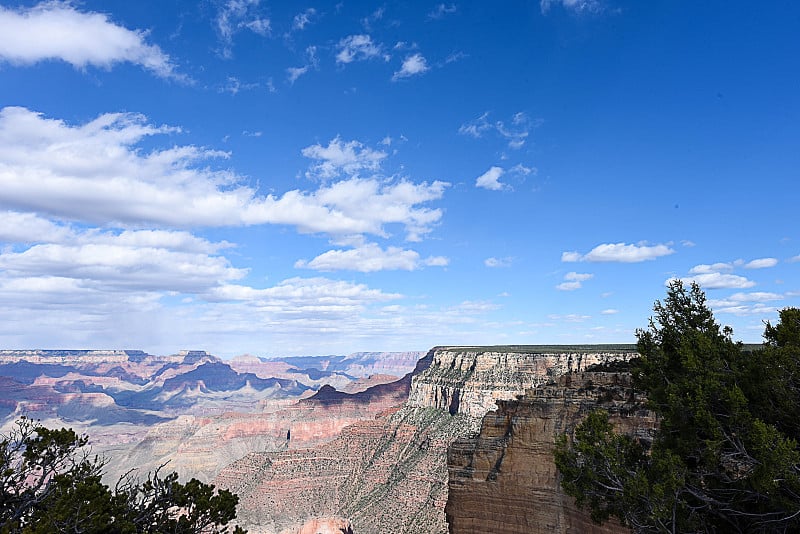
(389, 475)
(470, 380)
(504, 480)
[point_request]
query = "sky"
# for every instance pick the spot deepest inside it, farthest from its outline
(284, 178)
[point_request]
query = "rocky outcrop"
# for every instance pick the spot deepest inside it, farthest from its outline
(470, 380)
(504, 479)
(324, 525)
(389, 475)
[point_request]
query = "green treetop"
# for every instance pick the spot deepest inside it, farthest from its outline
(725, 456)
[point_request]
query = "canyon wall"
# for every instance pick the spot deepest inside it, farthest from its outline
(504, 480)
(469, 380)
(389, 474)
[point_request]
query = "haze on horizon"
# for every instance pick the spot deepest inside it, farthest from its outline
(247, 176)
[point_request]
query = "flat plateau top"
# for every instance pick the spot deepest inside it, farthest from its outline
(545, 349)
(613, 348)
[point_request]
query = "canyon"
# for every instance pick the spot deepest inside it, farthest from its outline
(390, 474)
(461, 443)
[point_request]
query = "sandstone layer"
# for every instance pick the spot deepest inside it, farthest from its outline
(389, 475)
(470, 380)
(504, 480)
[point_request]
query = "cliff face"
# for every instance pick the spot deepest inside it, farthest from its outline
(471, 380)
(389, 475)
(504, 479)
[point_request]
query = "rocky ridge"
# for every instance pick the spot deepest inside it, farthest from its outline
(389, 474)
(470, 380)
(504, 480)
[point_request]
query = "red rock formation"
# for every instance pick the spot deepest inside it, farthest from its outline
(390, 475)
(504, 480)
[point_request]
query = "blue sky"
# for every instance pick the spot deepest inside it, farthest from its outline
(283, 178)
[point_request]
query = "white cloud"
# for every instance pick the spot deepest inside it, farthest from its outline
(130, 261)
(477, 127)
(489, 179)
(515, 131)
(233, 85)
(573, 281)
(357, 48)
(742, 310)
(441, 10)
(619, 252)
(712, 268)
(570, 318)
(301, 20)
(498, 262)
(521, 169)
(30, 228)
(235, 15)
(293, 73)
(373, 17)
(610, 311)
(717, 281)
(370, 258)
(342, 157)
(56, 30)
(95, 173)
(739, 298)
(437, 261)
(413, 65)
(118, 267)
(574, 6)
(304, 293)
(761, 263)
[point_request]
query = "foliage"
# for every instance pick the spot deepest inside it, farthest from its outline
(725, 456)
(50, 484)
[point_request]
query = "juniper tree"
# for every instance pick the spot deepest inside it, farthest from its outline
(725, 456)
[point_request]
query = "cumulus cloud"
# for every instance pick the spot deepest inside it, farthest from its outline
(711, 268)
(609, 311)
(619, 252)
(761, 263)
(573, 281)
(490, 179)
(342, 157)
(95, 173)
(120, 267)
(752, 303)
(717, 281)
(358, 48)
(574, 6)
(370, 258)
(56, 30)
(413, 65)
(30, 228)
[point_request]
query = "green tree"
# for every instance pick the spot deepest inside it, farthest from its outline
(49, 483)
(725, 456)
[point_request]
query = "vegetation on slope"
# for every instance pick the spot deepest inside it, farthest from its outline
(725, 457)
(50, 484)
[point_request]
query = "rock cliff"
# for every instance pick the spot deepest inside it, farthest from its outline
(469, 380)
(504, 479)
(389, 474)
